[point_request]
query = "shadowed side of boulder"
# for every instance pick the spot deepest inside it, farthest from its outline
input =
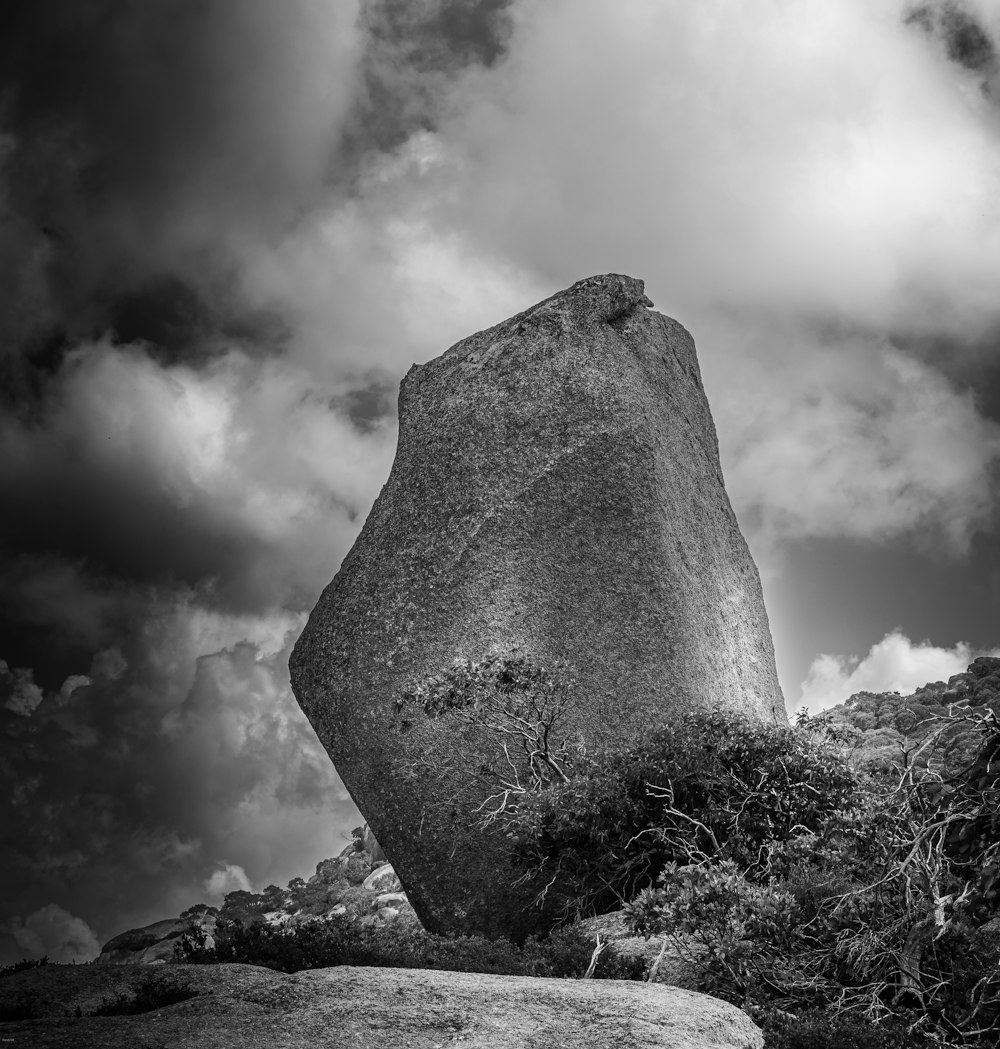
(556, 492)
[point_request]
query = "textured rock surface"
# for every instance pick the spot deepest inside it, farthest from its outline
(150, 944)
(557, 491)
(242, 1005)
(357, 883)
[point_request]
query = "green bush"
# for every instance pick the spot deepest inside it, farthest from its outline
(339, 941)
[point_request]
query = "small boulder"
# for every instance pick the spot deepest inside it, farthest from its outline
(984, 666)
(154, 943)
(382, 879)
(390, 899)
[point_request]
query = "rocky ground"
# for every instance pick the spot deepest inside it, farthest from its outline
(363, 1008)
(358, 884)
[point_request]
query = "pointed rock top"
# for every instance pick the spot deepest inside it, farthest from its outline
(603, 298)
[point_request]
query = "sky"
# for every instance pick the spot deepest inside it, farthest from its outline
(226, 232)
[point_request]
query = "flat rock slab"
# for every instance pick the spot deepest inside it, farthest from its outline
(368, 1008)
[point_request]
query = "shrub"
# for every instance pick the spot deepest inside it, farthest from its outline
(887, 925)
(512, 711)
(823, 1030)
(710, 786)
(24, 963)
(29, 1006)
(339, 941)
(152, 993)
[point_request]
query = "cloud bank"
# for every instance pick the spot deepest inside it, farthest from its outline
(54, 933)
(894, 664)
(231, 229)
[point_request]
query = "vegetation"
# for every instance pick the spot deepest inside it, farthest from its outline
(24, 963)
(799, 882)
(839, 880)
(29, 1005)
(152, 993)
(710, 785)
(511, 712)
(340, 941)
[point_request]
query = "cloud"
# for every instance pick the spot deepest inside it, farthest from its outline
(155, 140)
(811, 192)
(53, 932)
(894, 664)
(19, 690)
(858, 441)
(230, 229)
(184, 762)
(197, 386)
(227, 878)
(246, 472)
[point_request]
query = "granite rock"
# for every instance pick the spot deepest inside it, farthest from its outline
(557, 494)
(365, 1008)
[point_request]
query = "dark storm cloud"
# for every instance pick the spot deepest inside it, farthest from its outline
(150, 150)
(412, 49)
(966, 40)
(145, 143)
(140, 140)
(178, 769)
(190, 428)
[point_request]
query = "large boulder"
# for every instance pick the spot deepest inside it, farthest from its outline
(363, 1008)
(154, 944)
(556, 493)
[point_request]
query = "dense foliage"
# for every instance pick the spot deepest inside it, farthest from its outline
(24, 963)
(339, 941)
(711, 785)
(152, 993)
(798, 881)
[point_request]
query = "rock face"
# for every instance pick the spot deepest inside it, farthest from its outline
(556, 492)
(152, 944)
(357, 884)
(363, 1008)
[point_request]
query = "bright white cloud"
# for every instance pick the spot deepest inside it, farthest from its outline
(804, 185)
(856, 440)
(230, 877)
(53, 932)
(797, 183)
(792, 156)
(894, 664)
